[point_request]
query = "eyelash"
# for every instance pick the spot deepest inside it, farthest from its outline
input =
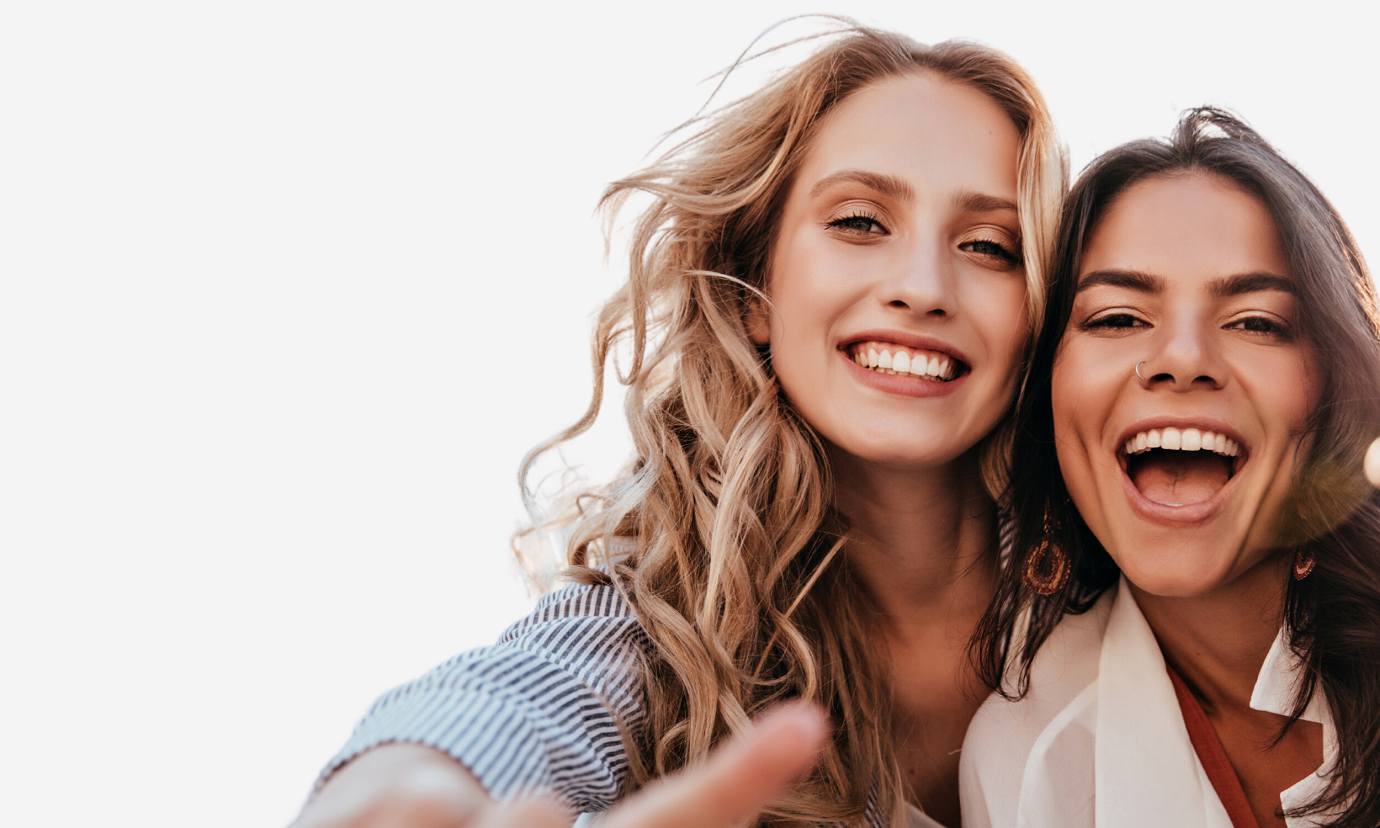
(1113, 321)
(983, 247)
(1272, 327)
(994, 249)
(843, 224)
(1125, 321)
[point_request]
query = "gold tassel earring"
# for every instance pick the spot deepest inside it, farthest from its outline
(1303, 564)
(1047, 567)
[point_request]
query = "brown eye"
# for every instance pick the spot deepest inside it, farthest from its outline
(1115, 320)
(1114, 323)
(1263, 325)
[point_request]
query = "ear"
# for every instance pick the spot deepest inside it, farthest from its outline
(757, 320)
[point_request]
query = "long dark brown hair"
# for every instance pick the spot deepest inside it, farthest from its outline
(1334, 614)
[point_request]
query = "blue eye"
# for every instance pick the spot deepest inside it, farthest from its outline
(992, 249)
(858, 223)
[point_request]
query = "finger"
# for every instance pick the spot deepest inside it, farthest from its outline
(528, 813)
(1372, 464)
(737, 781)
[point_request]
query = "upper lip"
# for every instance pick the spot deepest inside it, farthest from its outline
(910, 340)
(1200, 423)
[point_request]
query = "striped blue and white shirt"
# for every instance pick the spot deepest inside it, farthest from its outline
(539, 712)
(536, 713)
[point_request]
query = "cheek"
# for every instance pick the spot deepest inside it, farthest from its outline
(1300, 375)
(1002, 320)
(1079, 414)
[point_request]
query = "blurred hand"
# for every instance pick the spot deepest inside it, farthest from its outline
(737, 781)
(409, 786)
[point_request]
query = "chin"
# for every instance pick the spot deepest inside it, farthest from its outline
(1185, 573)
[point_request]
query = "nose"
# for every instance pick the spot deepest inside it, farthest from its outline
(1184, 357)
(921, 280)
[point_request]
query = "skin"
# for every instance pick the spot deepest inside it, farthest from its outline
(415, 786)
(1153, 287)
(900, 224)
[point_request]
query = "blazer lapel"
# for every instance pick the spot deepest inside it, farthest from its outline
(1146, 771)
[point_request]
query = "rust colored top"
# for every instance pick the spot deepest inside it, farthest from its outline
(1214, 758)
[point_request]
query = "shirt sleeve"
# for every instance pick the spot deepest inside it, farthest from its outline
(543, 711)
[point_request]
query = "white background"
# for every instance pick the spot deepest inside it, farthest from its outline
(287, 289)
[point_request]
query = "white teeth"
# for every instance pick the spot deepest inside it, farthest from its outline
(1188, 439)
(902, 362)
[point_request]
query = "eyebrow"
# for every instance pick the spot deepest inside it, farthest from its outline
(1251, 283)
(896, 188)
(1128, 279)
(980, 203)
(888, 185)
(1222, 287)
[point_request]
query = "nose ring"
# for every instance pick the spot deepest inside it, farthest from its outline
(1138, 376)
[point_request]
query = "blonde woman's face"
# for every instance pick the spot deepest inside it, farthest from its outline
(897, 290)
(1181, 474)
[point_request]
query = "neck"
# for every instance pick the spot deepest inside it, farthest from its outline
(1218, 641)
(918, 537)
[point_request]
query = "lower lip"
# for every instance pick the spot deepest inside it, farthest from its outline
(903, 386)
(1192, 514)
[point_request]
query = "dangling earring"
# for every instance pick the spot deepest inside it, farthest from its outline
(1303, 564)
(1047, 568)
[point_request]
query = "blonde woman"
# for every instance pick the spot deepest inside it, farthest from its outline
(828, 306)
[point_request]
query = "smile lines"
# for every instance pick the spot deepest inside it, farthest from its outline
(1188, 439)
(889, 358)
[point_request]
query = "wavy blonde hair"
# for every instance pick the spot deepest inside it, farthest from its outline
(722, 535)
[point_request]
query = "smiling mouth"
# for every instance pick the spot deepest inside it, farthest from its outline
(898, 360)
(1181, 467)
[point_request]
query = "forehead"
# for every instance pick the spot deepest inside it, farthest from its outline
(1186, 226)
(937, 133)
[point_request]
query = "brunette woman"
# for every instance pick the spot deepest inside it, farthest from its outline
(1191, 622)
(828, 305)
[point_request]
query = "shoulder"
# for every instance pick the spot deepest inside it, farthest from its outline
(544, 710)
(1012, 747)
(579, 620)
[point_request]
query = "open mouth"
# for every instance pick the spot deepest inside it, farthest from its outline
(898, 360)
(1181, 467)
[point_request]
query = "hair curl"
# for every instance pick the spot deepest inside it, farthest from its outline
(723, 536)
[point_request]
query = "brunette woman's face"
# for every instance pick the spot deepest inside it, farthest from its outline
(1181, 475)
(897, 310)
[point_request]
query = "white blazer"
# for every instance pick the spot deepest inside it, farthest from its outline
(1100, 741)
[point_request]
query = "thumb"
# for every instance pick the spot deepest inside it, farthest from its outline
(738, 780)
